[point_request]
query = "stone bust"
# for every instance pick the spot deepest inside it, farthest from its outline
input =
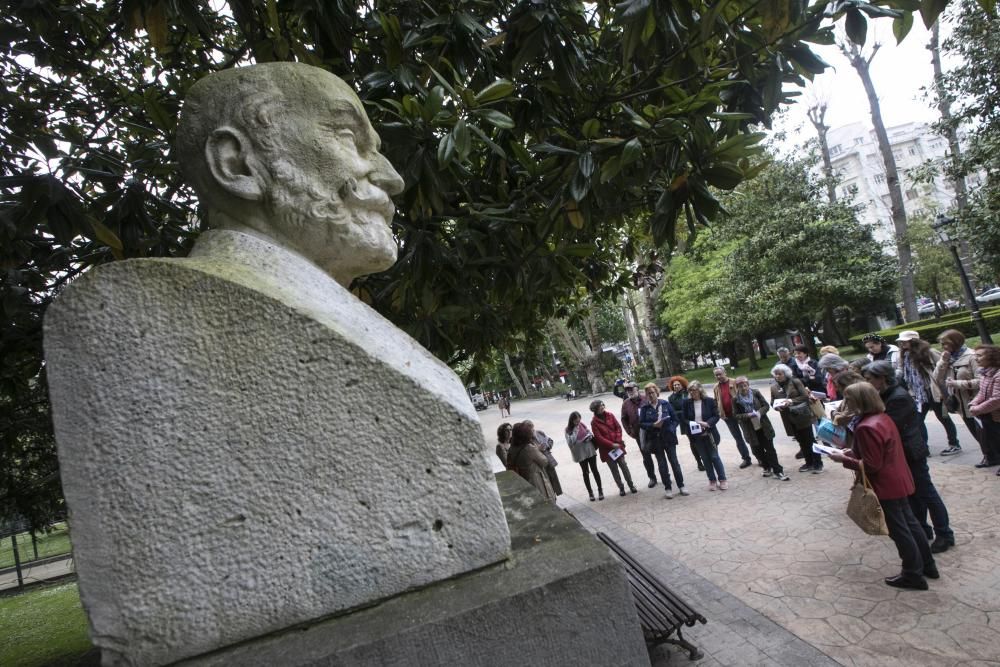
(210, 406)
(286, 151)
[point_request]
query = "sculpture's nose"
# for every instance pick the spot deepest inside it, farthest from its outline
(384, 176)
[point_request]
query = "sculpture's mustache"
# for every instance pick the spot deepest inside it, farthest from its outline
(370, 197)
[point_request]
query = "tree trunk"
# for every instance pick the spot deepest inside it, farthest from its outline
(831, 334)
(754, 366)
(637, 323)
(761, 346)
(904, 253)
(659, 364)
(587, 359)
(816, 115)
(809, 338)
(524, 376)
(633, 343)
(951, 134)
(673, 353)
(513, 376)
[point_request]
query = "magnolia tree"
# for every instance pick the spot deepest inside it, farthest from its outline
(525, 131)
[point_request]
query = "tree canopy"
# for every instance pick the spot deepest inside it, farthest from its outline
(782, 257)
(973, 88)
(525, 131)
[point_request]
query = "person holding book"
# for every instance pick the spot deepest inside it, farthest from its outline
(900, 407)
(702, 416)
(750, 410)
(611, 445)
(659, 427)
(581, 445)
(876, 445)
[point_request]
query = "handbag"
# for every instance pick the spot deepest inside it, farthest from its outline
(863, 506)
(817, 409)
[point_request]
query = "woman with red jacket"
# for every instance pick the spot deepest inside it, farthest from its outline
(877, 444)
(608, 438)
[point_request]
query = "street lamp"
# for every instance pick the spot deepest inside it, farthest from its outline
(941, 224)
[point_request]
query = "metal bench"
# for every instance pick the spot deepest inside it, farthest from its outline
(661, 612)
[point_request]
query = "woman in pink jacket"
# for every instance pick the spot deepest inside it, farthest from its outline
(986, 404)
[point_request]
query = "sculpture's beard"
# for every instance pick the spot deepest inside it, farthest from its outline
(331, 224)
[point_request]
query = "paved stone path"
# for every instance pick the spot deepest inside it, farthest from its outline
(33, 573)
(788, 551)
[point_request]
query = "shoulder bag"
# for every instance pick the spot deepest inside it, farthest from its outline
(863, 506)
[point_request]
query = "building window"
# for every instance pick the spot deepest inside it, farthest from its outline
(911, 194)
(880, 178)
(836, 150)
(912, 150)
(858, 141)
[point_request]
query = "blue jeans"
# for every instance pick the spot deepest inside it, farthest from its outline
(660, 446)
(734, 430)
(944, 418)
(926, 499)
(710, 457)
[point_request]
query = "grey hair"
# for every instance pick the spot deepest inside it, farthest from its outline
(882, 369)
(782, 349)
(784, 369)
(696, 385)
(834, 361)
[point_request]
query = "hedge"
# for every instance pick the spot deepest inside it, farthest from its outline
(929, 330)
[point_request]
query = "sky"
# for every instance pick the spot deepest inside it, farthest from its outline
(898, 72)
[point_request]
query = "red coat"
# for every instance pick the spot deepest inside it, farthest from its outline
(607, 431)
(877, 443)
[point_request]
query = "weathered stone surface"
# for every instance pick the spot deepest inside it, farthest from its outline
(244, 446)
(562, 599)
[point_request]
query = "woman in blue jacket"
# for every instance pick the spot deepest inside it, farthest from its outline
(658, 422)
(701, 410)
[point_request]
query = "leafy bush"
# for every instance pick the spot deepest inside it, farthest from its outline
(930, 330)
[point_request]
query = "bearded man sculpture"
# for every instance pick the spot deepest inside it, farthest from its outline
(228, 462)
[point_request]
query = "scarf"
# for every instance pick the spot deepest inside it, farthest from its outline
(746, 401)
(915, 381)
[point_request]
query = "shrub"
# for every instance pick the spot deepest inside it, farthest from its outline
(931, 329)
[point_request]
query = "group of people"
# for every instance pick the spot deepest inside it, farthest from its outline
(885, 398)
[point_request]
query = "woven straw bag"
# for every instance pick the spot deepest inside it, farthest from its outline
(863, 506)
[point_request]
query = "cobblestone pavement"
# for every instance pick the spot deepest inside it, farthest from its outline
(788, 551)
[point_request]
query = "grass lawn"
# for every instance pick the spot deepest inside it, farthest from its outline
(49, 544)
(44, 626)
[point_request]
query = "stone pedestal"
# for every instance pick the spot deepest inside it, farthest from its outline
(561, 599)
(245, 446)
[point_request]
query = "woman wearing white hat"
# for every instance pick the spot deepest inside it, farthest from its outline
(916, 365)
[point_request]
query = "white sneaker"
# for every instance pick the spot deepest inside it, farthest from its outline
(669, 495)
(683, 491)
(711, 486)
(782, 477)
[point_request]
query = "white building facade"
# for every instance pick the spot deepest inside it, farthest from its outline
(860, 173)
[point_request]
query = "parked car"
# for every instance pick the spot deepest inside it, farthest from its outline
(989, 296)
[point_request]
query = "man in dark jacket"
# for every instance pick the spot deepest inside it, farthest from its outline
(902, 410)
(631, 403)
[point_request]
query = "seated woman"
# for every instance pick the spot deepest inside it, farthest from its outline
(701, 411)
(877, 445)
(584, 451)
(524, 458)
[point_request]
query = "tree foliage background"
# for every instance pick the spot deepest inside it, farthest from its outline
(525, 130)
(973, 86)
(783, 256)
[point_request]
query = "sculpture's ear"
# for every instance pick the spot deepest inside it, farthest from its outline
(229, 155)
